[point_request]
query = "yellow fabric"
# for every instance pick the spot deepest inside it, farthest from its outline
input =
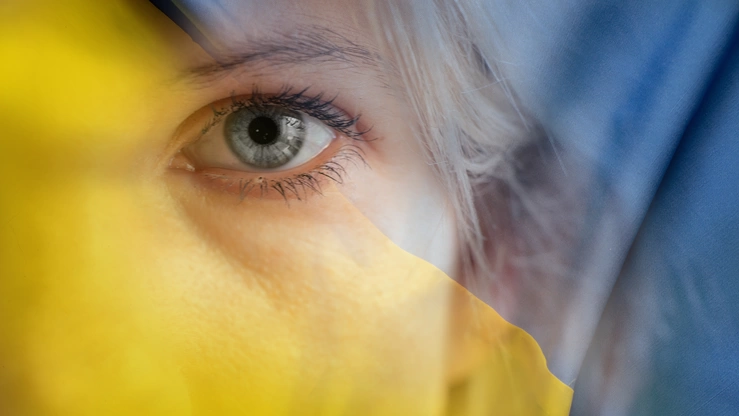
(107, 308)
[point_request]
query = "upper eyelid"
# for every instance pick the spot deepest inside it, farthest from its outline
(313, 105)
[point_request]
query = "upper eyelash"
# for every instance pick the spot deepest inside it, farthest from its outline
(314, 106)
(301, 184)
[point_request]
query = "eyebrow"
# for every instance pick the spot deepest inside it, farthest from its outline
(309, 44)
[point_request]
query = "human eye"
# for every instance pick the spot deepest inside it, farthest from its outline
(286, 144)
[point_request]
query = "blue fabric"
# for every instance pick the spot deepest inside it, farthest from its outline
(647, 93)
(693, 225)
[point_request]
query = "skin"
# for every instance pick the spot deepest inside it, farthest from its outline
(136, 282)
(209, 301)
(338, 303)
(398, 192)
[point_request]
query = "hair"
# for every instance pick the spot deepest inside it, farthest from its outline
(519, 214)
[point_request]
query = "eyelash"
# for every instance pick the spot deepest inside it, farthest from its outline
(314, 106)
(305, 182)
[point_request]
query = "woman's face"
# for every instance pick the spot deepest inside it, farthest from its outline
(322, 52)
(265, 274)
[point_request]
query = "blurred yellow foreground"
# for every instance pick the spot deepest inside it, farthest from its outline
(114, 301)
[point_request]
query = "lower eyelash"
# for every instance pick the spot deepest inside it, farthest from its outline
(300, 186)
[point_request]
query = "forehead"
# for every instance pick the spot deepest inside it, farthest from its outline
(228, 24)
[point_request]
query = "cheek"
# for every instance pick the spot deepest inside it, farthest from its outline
(123, 288)
(218, 305)
(402, 196)
(290, 299)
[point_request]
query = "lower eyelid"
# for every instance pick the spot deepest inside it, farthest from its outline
(299, 182)
(296, 184)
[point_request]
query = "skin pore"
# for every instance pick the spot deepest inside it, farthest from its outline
(284, 291)
(254, 299)
(316, 47)
(298, 311)
(170, 275)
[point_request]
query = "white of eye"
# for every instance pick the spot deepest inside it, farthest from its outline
(212, 150)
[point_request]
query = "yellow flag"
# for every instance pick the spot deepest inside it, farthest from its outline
(121, 293)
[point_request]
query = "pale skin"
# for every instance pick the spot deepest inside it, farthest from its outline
(397, 191)
(274, 292)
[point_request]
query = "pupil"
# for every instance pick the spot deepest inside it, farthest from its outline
(263, 130)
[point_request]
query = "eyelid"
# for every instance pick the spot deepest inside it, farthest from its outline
(298, 180)
(297, 100)
(193, 127)
(211, 151)
(296, 183)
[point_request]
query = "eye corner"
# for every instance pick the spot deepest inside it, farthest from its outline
(218, 147)
(180, 162)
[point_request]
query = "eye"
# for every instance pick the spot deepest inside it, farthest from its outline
(286, 145)
(260, 138)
